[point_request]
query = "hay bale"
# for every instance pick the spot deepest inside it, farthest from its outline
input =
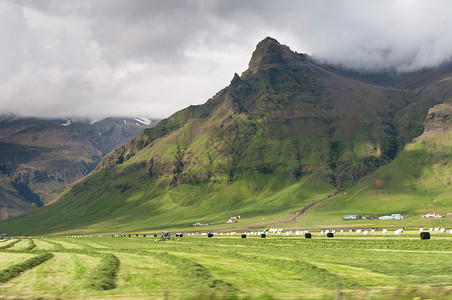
(366, 232)
(155, 234)
(181, 235)
(330, 234)
(385, 230)
(442, 230)
(263, 235)
(425, 235)
(243, 236)
(308, 235)
(210, 234)
(144, 235)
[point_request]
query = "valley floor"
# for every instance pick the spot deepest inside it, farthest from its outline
(227, 267)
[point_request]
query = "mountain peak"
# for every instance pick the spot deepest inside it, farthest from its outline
(267, 42)
(269, 51)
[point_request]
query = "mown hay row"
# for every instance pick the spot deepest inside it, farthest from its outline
(31, 245)
(195, 273)
(103, 277)
(14, 270)
(10, 244)
(307, 272)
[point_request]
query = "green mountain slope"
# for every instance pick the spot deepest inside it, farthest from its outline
(285, 134)
(418, 181)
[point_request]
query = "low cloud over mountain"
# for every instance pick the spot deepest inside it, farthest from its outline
(102, 58)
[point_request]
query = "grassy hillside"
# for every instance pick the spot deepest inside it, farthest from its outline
(418, 181)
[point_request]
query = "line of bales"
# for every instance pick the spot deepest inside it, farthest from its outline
(424, 234)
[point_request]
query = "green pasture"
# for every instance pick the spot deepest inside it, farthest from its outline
(350, 266)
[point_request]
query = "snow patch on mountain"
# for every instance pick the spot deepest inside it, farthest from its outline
(68, 122)
(143, 121)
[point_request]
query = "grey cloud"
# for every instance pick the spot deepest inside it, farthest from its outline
(114, 57)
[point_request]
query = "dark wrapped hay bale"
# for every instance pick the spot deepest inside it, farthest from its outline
(425, 235)
(144, 235)
(330, 234)
(130, 235)
(155, 234)
(243, 236)
(210, 234)
(263, 235)
(308, 235)
(181, 235)
(177, 235)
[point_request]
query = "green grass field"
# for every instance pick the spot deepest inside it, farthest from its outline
(378, 266)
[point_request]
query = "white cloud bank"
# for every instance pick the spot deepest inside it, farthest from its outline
(137, 57)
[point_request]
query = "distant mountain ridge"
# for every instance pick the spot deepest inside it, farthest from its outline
(286, 133)
(39, 158)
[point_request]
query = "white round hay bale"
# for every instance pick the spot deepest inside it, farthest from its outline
(279, 232)
(385, 230)
(397, 232)
(366, 232)
(436, 229)
(442, 230)
(334, 231)
(321, 232)
(430, 229)
(421, 229)
(342, 230)
(358, 231)
(327, 231)
(350, 230)
(450, 231)
(373, 230)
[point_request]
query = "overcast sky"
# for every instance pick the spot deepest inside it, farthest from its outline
(98, 58)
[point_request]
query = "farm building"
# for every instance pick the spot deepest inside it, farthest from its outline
(350, 217)
(202, 224)
(432, 215)
(396, 217)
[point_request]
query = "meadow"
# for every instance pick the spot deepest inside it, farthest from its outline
(348, 266)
